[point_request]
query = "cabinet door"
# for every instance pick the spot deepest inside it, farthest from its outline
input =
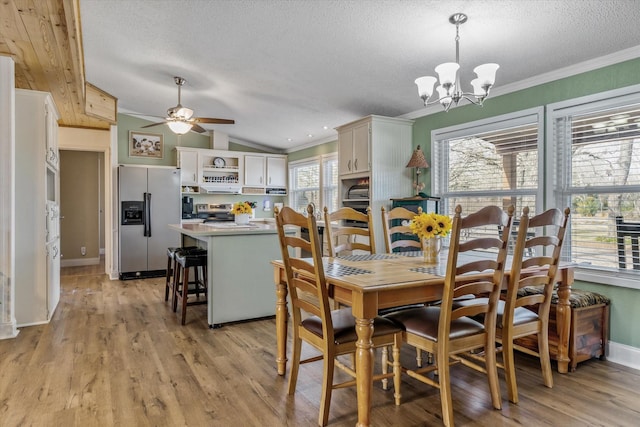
(53, 277)
(51, 136)
(276, 172)
(188, 164)
(254, 170)
(345, 152)
(361, 148)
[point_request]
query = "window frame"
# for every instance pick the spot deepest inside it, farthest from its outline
(556, 192)
(319, 160)
(517, 118)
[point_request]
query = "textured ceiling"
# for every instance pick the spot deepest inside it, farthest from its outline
(285, 69)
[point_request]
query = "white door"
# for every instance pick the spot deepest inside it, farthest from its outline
(254, 170)
(276, 172)
(188, 167)
(345, 152)
(361, 148)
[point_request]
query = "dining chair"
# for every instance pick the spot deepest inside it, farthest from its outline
(475, 265)
(330, 332)
(342, 236)
(397, 234)
(523, 313)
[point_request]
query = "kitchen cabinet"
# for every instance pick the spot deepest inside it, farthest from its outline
(37, 224)
(265, 174)
(277, 171)
(254, 170)
(353, 148)
(373, 152)
(188, 165)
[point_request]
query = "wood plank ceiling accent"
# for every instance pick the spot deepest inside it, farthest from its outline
(44, 39)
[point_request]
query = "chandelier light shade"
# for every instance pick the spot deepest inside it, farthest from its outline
(418, 162)
(449, 89)
(179, 127)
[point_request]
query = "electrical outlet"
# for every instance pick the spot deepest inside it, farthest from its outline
(83, 250)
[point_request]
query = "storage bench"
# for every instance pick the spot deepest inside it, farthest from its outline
(589, 331)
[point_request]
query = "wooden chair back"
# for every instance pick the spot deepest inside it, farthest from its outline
(462, 262)
(397, 233)
(542, 237)
(305, 278)
(343, 237)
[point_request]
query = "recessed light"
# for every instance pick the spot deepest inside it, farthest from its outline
(310, 136)
(325, 127)
(289, 139)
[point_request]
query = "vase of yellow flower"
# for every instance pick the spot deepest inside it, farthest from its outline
(430, 228)
(242, 212)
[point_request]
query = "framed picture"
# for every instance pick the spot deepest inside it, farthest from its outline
(143, 144)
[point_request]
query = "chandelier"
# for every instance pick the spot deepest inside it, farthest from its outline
(449, 90)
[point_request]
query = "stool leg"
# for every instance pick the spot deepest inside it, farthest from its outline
(185, 293)
(176, 282)
(168, 283)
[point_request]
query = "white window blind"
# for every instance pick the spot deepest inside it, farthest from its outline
(314, 180)
(597, 173)
(492, 162)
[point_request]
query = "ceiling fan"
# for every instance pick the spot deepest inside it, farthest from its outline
(180, 119)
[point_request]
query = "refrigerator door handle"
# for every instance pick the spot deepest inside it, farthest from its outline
(147, 213)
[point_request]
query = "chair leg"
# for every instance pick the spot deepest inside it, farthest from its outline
(295, 364)
(397, 370)
(543, 351)
(385, 366)
(509, 368)
(327, 388)
(168, 279)
(492, 372)
(445, 387)
(418, 357)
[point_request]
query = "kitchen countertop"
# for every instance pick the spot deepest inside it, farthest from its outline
(225, 228)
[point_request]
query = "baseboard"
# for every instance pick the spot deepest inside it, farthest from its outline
(624, 355)
(8, 330)
(79, 262)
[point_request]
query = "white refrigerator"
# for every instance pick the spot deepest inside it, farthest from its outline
(149, 200)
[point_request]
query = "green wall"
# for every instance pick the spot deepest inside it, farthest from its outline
(316, 150)
(625, 314)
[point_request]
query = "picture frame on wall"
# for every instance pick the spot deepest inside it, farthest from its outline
(144, 144)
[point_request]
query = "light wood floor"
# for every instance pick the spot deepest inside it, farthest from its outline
(115, 354)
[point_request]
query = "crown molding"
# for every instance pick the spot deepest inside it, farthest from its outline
(325, 140)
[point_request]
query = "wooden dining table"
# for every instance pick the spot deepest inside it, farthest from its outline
(368, 283)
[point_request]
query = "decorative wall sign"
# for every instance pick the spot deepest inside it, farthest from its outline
(149, 145)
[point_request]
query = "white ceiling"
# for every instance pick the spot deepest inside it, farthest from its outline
(283, 69)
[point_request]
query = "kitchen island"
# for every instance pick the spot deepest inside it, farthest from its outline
(239, 270)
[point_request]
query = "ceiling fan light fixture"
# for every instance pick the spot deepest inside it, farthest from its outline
(179, 127)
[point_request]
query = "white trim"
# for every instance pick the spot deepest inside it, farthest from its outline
(333, 138)
(613, 278)
(561, 73)
(624, 355)
(76, 262)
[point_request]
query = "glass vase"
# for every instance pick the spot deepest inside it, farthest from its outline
(431, 249)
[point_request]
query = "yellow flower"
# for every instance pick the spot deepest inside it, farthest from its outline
(241, 208)
(427, 225)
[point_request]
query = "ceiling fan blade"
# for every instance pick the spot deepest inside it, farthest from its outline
(198, 128)
(214, 121)
(154, 124)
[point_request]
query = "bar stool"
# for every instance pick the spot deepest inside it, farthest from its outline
(184, 261)
(170, 280)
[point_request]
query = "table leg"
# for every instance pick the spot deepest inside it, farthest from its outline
(563, 319)
(364, 369)
(281, 322)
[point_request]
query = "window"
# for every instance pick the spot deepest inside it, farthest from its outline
(490, 162)
(597, 173)
(314, 180)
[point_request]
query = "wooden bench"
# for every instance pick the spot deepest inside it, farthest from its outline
(589, 333)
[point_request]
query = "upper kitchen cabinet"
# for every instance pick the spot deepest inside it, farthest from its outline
(265, 174)
(354, 141)
(37, 189)
(188, 164)
(372, 156)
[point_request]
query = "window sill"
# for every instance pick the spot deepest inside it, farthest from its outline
(609, 277)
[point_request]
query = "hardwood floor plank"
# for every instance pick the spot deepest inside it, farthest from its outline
(115, 354)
